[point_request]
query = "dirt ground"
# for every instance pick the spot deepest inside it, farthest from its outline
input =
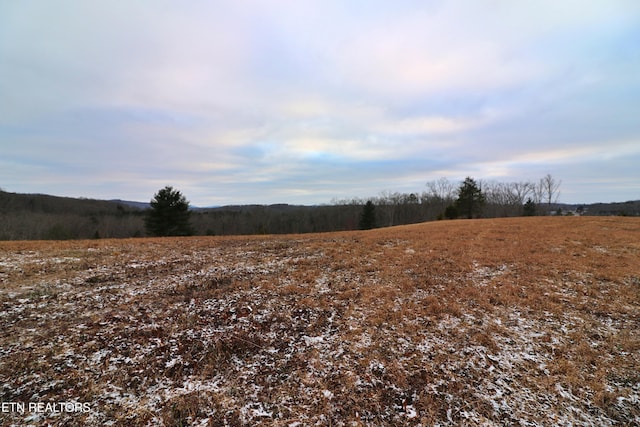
(518, 321)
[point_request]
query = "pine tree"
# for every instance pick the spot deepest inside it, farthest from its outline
(368, 217)
(451, 212)
(169, 214)
(529, 208)
(470, 199)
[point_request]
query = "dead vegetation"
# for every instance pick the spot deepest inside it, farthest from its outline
(478, 322)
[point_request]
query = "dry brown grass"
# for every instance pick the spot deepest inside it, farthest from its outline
(524, 321)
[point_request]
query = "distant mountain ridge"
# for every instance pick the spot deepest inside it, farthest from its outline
(41, 216)
(45, 203)
(132, 204)
(11, 201)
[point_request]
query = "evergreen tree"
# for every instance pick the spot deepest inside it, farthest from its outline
(451, 212)
(368, 217)
(529, 208)
(470, 199)
(169, 214)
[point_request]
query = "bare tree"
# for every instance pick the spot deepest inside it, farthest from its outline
(442, 189)
(499, 198)
(538, 193)
(521, 190)
(390, 201)
(549, 189)
(441, 193)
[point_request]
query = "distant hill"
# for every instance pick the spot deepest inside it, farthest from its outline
(628, 208)
(44, 203)
(137, 205)
(42, 216)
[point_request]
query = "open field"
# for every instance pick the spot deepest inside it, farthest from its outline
(520, 321)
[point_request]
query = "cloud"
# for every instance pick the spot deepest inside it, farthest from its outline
(308, 100)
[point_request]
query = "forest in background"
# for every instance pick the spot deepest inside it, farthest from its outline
(46, 217)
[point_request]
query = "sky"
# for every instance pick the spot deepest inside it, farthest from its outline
(305, 102)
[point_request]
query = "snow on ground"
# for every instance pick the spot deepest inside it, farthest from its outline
(310, 331)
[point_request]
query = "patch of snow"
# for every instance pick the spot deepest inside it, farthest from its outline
(311, 341)
(171, 363)
(377, 367)
(410, 412)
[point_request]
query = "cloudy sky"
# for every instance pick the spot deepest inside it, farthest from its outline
(276, 101)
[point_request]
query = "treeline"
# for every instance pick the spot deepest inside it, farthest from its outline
(442, 197)
(629, 208)
(44, 217)
(38, 217)
(275, 219)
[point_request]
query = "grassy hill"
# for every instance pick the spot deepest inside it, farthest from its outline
(40, 216)
(518, 321)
